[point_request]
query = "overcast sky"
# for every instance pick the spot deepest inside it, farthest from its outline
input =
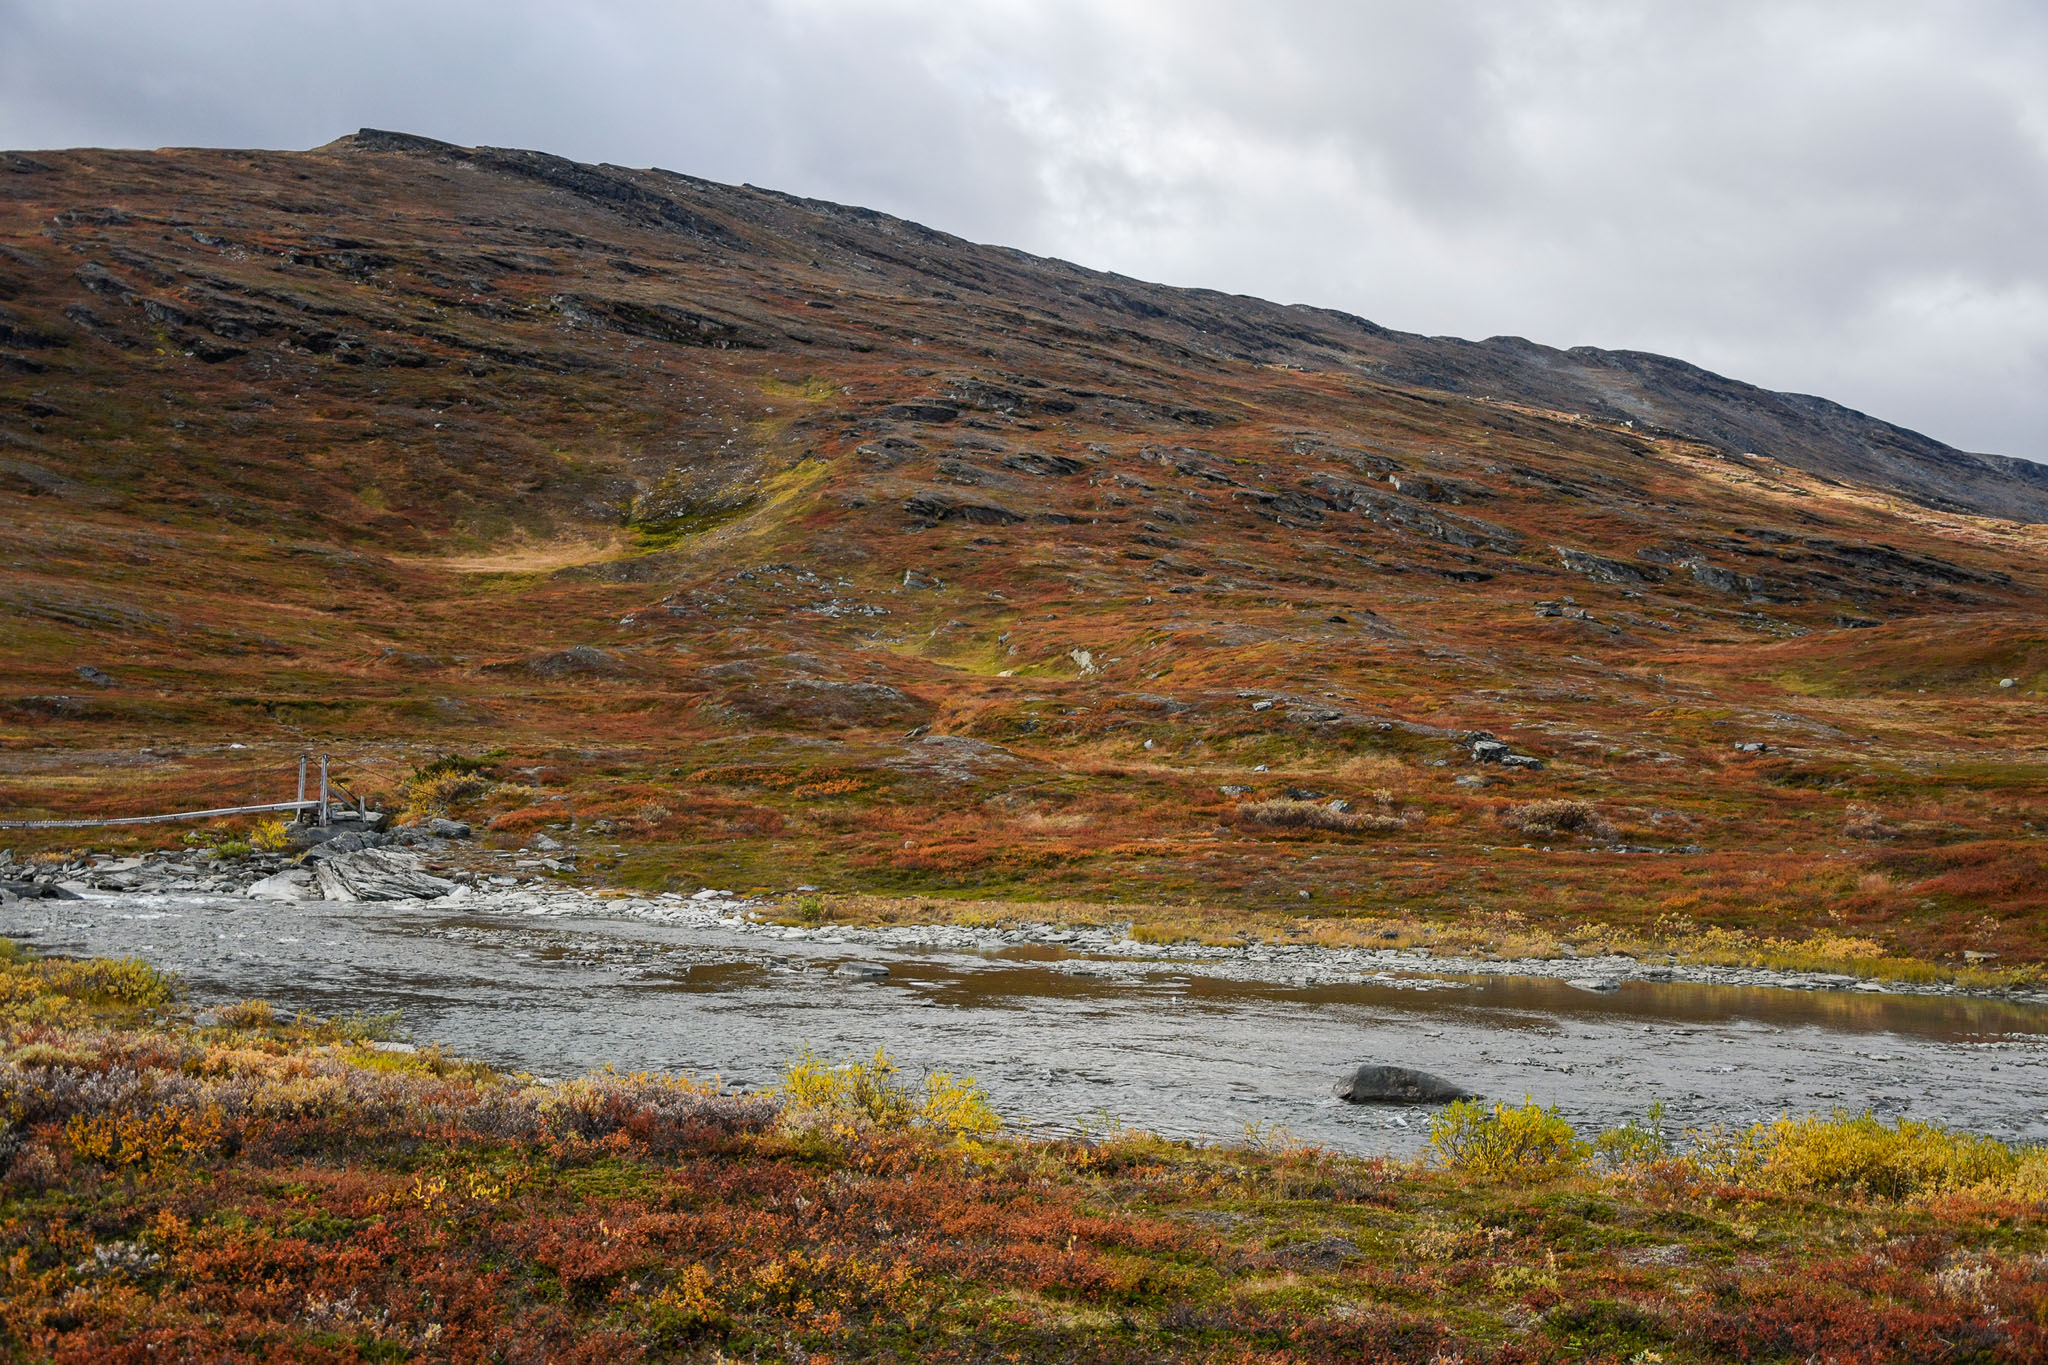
(1845, 198)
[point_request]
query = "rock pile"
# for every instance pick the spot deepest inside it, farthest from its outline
(353, 858)
(1487, 749)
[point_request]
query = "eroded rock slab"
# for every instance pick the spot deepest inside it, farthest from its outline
(379, 874)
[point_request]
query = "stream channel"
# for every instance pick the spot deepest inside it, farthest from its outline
(1062, 1041)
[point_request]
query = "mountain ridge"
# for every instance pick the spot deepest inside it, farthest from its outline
(1676, 396)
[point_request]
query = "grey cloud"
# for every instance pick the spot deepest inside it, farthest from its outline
(1847, 200)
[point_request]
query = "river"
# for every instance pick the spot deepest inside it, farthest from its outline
(1063, 1040)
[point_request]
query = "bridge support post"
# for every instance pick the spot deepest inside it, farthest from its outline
(323, 790)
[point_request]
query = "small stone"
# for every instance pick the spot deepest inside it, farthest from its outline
(547, 844)
(2008, 682)
(861, 971)
(94, 676)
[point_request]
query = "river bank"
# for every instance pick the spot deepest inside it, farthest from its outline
(1081, 938)
(1113, 950)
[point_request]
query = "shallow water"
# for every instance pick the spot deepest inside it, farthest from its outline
(1150, 1045)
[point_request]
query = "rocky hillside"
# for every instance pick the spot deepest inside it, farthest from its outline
(788, 541)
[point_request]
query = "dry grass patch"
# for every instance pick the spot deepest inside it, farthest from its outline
(1547, 819)
(1866, 824)
(1282, 813)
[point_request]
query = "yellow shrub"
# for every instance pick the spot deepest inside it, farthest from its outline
(957, 1105)
(1864, 1156)
(299, 1097)
(247, 1014)
(688, 1308)
(439, 794)
(437, 787)
(269, 837)
(143, 1139)
(1527, 1140)
(106, 981)
(868, 1095)
(2028, 1178)
(1635, 1144)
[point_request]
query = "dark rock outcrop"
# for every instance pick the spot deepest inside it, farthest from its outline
(578, 661)
(830, 703)
(938, 504)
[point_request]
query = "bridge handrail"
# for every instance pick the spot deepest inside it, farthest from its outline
(160, 819)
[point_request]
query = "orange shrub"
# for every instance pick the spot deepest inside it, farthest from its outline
(525, 820)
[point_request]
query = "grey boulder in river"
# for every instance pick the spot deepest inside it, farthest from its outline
(1374, 1083)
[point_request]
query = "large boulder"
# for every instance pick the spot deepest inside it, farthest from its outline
(378, 874)
(1376, 1083)
(33, 890)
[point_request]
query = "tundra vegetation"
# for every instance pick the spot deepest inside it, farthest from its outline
(734, 540)
(731, 542)
(247, 1186)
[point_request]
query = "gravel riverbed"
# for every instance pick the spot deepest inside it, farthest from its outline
(1067, 1027)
